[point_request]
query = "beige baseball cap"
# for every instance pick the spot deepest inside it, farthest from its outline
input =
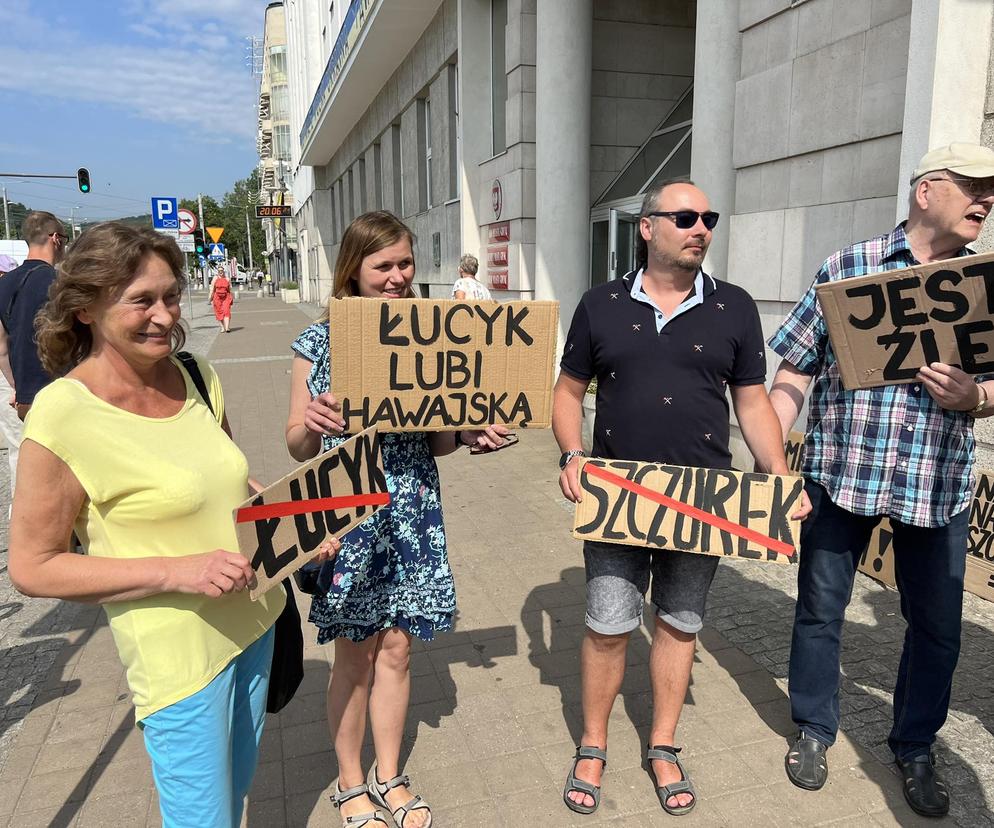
(970, 160)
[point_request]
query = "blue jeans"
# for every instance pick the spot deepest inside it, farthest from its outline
(929, 566)
(204, 748)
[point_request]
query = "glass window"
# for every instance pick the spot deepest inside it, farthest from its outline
(678, 164)
(498, 74)
(428, 152)
(281, 142)
(277, 64)
(643, 166)
(280, 103)
(665, 154)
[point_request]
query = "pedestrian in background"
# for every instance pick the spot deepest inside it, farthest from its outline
(901, 451)
(23, 291)
(222, 298)
(10, 424)
(128, 452)
(392, 581)
(467, 286)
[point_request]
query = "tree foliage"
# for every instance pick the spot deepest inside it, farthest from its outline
(230, 214)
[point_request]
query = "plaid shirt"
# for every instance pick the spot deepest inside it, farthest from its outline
(877, 451)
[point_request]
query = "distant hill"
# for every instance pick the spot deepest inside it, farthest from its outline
(143, 220)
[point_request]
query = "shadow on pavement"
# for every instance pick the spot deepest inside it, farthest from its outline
(871, 653)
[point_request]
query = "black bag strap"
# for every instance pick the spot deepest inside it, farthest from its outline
(190, 364)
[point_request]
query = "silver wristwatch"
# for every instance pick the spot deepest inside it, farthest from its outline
(569, 455)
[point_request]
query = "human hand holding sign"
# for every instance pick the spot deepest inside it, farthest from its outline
(323, 415)
(951, 387)
(489, 439)
(804, 509)
(212, 574)
(569, 480)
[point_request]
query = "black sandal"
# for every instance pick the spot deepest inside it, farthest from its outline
(578, 785)
(806, 763)
(358, 820)
(923, 790)
(668, 753)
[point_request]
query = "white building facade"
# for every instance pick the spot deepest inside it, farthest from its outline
(525, 132)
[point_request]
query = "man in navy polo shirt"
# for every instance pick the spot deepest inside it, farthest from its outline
(23, 291)
(665, 343)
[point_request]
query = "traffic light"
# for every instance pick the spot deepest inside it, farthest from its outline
(83, 179)
(198, 243)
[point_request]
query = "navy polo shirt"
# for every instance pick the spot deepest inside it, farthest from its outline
(30, 282)
(661, 387)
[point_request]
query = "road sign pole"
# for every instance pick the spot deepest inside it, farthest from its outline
(200, 208)
(189, 286)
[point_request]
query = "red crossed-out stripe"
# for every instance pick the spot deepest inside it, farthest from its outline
(691, 511)
(248, 514)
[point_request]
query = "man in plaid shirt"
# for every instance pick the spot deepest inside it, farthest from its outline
(904, 451)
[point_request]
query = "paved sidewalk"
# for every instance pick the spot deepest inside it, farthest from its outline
(495, 711)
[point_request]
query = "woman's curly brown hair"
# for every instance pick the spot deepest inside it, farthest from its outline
(100, 263)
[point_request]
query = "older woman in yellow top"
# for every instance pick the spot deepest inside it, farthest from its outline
(123, 450)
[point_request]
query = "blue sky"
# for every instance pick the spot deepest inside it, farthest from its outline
(154, 97)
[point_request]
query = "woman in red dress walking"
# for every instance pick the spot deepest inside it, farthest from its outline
(221, 298)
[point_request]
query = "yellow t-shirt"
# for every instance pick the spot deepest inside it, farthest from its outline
(158, 487)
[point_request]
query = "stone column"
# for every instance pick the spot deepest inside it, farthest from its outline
(717, 55)
(562, 153)
(948, 57)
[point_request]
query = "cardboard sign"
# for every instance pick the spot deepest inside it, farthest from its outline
(440, 365)
(980, 541)
(710, 511)
(877, 560)
(282, 527)
(885, 326)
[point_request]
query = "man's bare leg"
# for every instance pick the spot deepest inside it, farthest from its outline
(670, 661)
(602, 669)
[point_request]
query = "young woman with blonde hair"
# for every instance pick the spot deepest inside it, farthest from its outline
(391, 581)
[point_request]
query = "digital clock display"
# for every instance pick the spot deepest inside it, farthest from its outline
(273, 211)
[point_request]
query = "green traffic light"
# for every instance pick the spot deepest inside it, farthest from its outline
(85, 188)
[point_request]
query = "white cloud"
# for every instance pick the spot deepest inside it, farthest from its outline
(184, 69)
(167, 85)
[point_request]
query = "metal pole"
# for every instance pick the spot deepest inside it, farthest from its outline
(6, 214)
(248, 229)
(190, 285)
(203, 229)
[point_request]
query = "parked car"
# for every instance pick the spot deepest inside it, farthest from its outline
(241, 277)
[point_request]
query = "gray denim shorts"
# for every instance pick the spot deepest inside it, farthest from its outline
(618, 578)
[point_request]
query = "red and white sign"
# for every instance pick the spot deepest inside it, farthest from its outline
(187, 221)
(497, 256)
(498, 232)
(498, 279)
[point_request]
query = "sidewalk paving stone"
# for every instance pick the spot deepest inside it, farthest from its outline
(495, 711)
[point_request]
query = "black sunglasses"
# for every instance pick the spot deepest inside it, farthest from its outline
(685, 219)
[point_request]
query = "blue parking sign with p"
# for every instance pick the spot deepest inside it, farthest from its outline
(164, 213)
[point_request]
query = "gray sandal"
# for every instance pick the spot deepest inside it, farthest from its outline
(378, 793)
(668, 753)
(358, 820)
(578, 785)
